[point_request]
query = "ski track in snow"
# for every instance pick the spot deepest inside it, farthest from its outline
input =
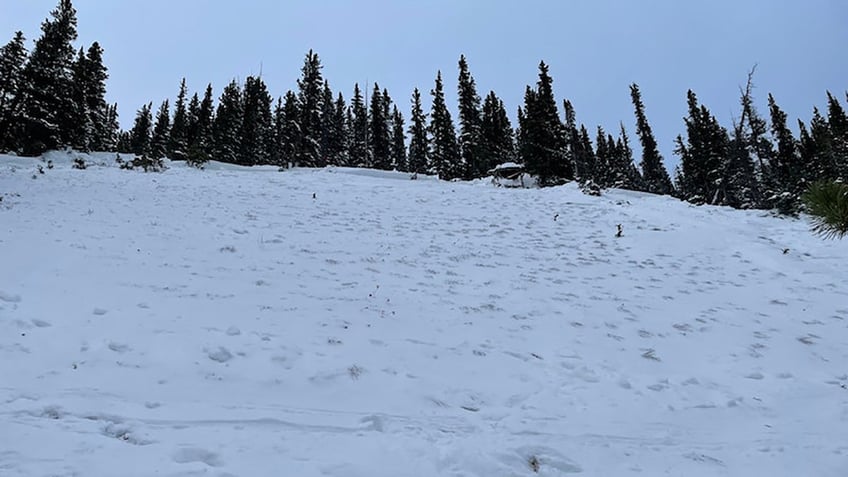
(356, 323)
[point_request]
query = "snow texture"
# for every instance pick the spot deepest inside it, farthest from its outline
(336, 322)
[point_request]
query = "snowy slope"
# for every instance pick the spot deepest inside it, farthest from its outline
(225, 322)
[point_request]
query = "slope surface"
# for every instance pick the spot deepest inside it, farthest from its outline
(247, 322)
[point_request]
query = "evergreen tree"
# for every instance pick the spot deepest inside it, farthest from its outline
(227, 124)
(140, 133)
(288, 129)
(112, 129)
(358, 129)
(78, 128)
(178, 142)
(95, 76)
(604, 150)
(584, 155)
(192, 121)
(200, 144)
(339, 143)
(740, 186)
(12, 59)
(444, 149)
(419, 145)
(625, 173)
(257, 132)
(470, 124)
(379, 145)
(310, 98)
(398, 142)
(496, 135)
(544, 146)
(332, 128)
(827, 202)
(823, 162)
(783, 177)
(161, 131)
(702, 157)
(48, 108)
(582, 170)
(837, 121)
(654, 174)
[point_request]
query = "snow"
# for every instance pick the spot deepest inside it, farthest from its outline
(250, 322)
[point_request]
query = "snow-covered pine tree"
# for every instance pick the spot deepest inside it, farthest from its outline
(140, 135)
(837, 121)
(310, 98)
(358, 121)
(474, 164)
(398, 141)
(200, 143)
(47, 80)
(227, 124)
(13, 56)
(496, 134)
(783, 174)
(95, 76)
(654, 174)
(378, 132)
(419, 146)
(161, 131)
(78, 128)
(544, 146)
(257, 130)
(702, 156)
(178, 141)
(445, 159)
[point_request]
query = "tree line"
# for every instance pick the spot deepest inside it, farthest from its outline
(54, 97)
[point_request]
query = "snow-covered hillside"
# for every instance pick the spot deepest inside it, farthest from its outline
(250, 322)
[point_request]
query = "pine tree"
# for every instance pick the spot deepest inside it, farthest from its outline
(496, 134)
(398, 142)
(378, 133)
(192, 121)
(837, 121)
(419, 145)
(12, 59)
(654, 174)
(339, 143)
(48, 107)
(823, 162)
(358, 129)
(625, 174)
(827, 203)
(140, 133)
(227, 124)
(200, 145)
(470, 126)
(544, 146)
(161, 131)
(257, 132)
(287, 129)
(112, 129)
(783, 175)
(444, 149)
(96, 74)
(604, 150)
(740, 185)
(330, 144)
(78, 128)
(178, 142)
(702, 157)
(310, 98)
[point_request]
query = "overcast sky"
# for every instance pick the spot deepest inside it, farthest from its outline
(595, 49)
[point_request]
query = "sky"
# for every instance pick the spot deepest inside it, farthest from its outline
(595, 49)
